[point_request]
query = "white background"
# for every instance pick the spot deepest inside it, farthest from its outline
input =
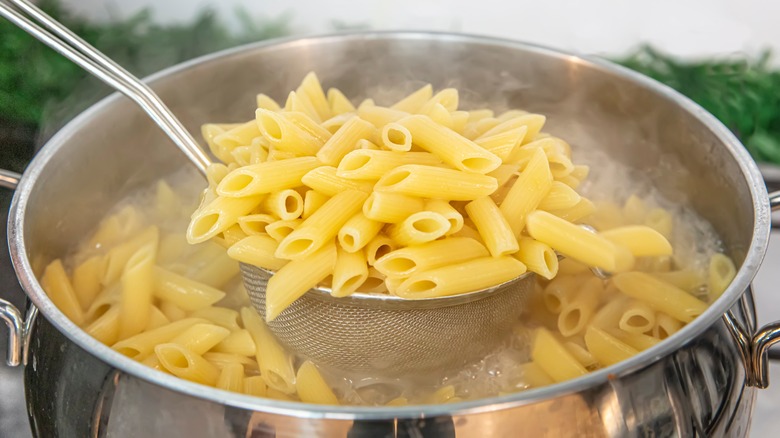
(683, 27)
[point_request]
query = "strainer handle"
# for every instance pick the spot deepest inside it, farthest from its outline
(49, 31)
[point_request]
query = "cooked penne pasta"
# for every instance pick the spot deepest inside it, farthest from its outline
(284, 204)
(367, 164)
(188, 294)
(404, 262)
(221, 316)
(605, 348)
(492, 226)
(280, 229)
(396, 137)
(391, 207)
(201, 337)
(339, 104)
(185, 364)
(311, 387)
(642, 241)
(219, 215)
(414, 101)
(239, 342)
(721, 272)
(345, 140)
(294, 279)
(275, 363)
(661, 296)
(471, 275)
(559, 197)
(142, 344)
(580, 308)
(57, 285)
(325, 180)
(378, 247)
(358, 231)
(637, 318)
(349, 272)
(449, 146)
(312, 201)
(322, 226)
(266, 177)
(257, 251)
(436, 182)
(527, 192)
(137, 290)
(285, 135)
(553, 358)
(420, 227)
(538, 257)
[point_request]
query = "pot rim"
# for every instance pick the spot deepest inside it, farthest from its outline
(753, 258)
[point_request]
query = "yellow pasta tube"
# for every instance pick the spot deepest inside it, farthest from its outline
(638, 341)
(275, 363)
(325, 180)
(396, 137)
(358, 231)
(449, 146)
(448, 98)
(201, 338)
(284, 135)
(238, 342)
(257, 251)
(221, 316)
(538, 257)
(266, 177)
(404, 262)
(157, 319)
(559, 197)
(527, 192)
(367, 164)
(420, 227)
(579, 310)
(172, 312)
(605, 348)
(106, 327)
(573, 241)
(115, 260)
(284, 204)
(225, 142)
(344, 140)
(439, 114)
(309, 125)
(665, 326)
(444, 208)
(492, 226)
(188, 294)
(560, 292)
(266, 102)
(532, 122)
(534, 376)
(297, 277)
(231, 378)
(57, 285)
(582, 355)
(503, 144)
(349, 273)
(378, 247)
(575, 214)
(311, 88)
(469, 276)
(335, 123)
(414, 101)
(721, 272)
(339, 104)
(391, 207)
(661, 296)
(638, 318)
(553, 358)
(142, 344)
(436, 182)
(137, 290)
(255, 385)
(280, 229)
(221, 360)
(185, 364)
(322, 226)
(380, 116)
(608, 316)
(642, 241)
(375, 282)
(219, 215)
(312, 201)
(686, 279)
(86, 280)
(311, 387)
(661, 221)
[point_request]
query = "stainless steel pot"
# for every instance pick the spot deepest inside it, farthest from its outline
(701, 381)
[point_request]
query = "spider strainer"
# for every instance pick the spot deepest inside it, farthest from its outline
(387, 335)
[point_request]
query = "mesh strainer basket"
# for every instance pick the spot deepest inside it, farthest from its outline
(387, 335)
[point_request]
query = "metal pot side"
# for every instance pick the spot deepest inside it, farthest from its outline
(693, 383)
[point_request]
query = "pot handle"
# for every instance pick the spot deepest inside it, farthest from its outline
(755, 349)
(18, 326)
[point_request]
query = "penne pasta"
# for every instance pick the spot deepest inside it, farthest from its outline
(188, 294)
(358, 231)
(527, 192)
(436, 182)
(406, 261)
(553, 358)
(257, 251)
(538, 257)
(311, 387)
(275, 363)
(418, 228)
(345, 140)
(492, 226)
(661, 296)
(367, 164)
(325, 180)
(349, 272)
(605, 348)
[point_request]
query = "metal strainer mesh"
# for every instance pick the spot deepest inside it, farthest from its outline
(389, 336)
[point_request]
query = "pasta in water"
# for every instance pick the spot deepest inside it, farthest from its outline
(418, 199)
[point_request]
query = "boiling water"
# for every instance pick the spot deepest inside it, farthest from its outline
(500, 371)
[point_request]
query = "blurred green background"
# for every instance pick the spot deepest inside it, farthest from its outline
(40, 90)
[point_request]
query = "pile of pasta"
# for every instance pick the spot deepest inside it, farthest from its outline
(429, 199)
(418, 199)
